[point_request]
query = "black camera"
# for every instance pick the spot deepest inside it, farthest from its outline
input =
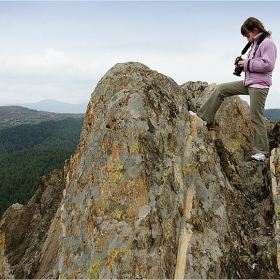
(238, 69)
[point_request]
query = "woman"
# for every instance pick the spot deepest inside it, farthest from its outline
(258, 69)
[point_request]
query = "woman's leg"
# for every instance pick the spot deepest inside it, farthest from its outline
(210, 107)
(257, 104)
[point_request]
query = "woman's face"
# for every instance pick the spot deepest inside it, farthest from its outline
(251, 34)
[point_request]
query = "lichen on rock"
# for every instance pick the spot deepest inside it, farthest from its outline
(140, 155)
(151, 193)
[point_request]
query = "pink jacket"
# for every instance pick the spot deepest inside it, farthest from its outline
(259, 68)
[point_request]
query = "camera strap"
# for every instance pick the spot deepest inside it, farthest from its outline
(259, 42)
(257, 46)
(246, 48)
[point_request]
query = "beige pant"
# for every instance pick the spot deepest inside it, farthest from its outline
(257, 103)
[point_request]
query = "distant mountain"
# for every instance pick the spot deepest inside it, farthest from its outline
(54, 106)
(17, 115)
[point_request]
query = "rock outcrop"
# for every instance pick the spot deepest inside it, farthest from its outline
(29, 234)
(151, 193)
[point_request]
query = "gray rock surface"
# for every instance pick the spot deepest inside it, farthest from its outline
(151, 193)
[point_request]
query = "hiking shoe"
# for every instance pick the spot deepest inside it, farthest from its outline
(192, 113)
(212, 126)
(258, 157)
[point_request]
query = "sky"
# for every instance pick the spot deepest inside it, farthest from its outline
(61, 49)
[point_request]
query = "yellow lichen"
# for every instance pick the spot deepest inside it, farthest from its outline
(94, 269)
(167, 230)
(135, 147)
(116, 254)
(119, 213)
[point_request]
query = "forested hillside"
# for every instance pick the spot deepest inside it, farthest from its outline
(21, 171)
(28, 152)
(47, 134)
(272, 114)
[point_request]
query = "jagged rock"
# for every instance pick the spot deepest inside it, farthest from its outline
(28, 235)
(151, 193)
(196, 93)
(148, 177)
(273, 134)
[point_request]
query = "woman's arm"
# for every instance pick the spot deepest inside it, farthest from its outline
(264, 60)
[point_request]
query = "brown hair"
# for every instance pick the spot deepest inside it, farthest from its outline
(249, 25)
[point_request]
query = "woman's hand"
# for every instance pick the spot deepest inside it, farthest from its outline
(241, 63)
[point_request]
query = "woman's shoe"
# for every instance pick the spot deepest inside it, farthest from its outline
(258, 157)
(212, 126)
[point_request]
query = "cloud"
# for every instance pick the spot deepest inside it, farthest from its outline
(71, 77)
(49, 75)
(62, 49)
(50, 60)
(51, 63)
